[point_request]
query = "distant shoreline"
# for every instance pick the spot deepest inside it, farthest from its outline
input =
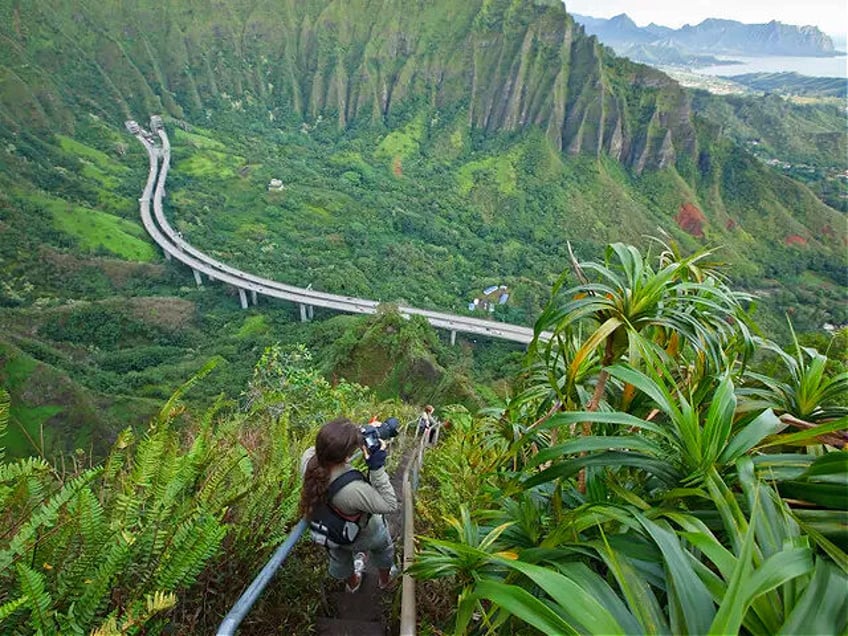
(832, 66)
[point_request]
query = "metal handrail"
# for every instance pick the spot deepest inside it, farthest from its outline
(410, 485)
(245, 602)
(235, 616)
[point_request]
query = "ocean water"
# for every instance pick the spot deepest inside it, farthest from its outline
(810, 66)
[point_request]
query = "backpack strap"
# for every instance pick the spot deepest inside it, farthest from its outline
(337, 484)
(343, 480)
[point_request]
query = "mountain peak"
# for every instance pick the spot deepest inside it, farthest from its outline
(712, 36)
(622, 19)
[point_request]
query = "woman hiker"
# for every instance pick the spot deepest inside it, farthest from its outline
(360, 500)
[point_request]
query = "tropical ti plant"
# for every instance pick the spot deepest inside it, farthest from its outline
(693, 519)
(806, 396)
(628, 307)
(668, 573)
(629, 302)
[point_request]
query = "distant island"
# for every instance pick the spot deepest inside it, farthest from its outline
(697, 45)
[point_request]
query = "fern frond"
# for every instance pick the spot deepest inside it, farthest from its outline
(208, 418)
(194, 543)
(108, 628)
(82, 550)
(234, 468)
(45, 516)
(148, 458)
(38, 599)
(160, 601)
(183, 477)
(13, 472)
(136, 615)
(90, 517)
(167, 413)
(148, 550)
(96, 591)
(167, 483)
(117, 456)
(24, 475)
(7, 609)
(135, 494)
(38, 485)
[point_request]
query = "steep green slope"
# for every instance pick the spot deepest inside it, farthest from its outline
(431, 213)
(52, 413)
(428, 150)
(442, 80)
(526, 64)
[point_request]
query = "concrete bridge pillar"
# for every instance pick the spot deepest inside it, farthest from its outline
(453, 337)
(167, 256)
(253, 296)
(303, 317)
(242, 298)
(197, 278)
(310, 312)
(211, 278)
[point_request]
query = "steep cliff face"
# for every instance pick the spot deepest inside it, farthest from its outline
(513, 64)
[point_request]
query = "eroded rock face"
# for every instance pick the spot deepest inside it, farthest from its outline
(511, 66)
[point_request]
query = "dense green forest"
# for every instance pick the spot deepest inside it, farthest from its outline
(668, 462)
(398, 185)
(658, 468)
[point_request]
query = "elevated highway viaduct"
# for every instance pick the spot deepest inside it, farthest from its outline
(175, 247)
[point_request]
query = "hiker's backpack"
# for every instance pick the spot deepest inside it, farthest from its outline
(328, 526)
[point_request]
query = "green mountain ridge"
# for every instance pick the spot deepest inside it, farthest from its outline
(526, 65)
(428, 150)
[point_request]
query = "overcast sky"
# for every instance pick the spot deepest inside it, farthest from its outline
(831, 16)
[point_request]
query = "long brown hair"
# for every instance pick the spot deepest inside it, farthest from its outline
(334, 443)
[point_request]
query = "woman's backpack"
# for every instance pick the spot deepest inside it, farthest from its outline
(328, 526)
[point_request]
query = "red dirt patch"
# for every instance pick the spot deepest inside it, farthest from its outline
(691, 220)
(731, 224)
(794, 239)
(397, 167)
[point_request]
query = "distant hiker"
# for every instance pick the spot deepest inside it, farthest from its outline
(427, 424)
(359, 503)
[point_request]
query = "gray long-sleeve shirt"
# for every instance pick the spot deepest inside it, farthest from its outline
(377, 496)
